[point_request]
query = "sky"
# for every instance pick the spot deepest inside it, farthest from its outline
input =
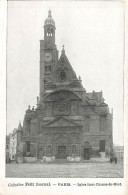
(93, 35)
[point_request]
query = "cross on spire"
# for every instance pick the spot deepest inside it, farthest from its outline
(49, 13)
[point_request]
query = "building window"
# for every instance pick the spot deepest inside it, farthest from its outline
(28, 126)
(102, 123)
(48, 32)
(27, 146)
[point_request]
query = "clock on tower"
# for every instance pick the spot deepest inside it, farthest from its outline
(48, 57)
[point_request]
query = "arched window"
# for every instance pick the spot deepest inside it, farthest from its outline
(73, 149)
(28, 126)
(27, 146)
(50, 31)
(103, 123)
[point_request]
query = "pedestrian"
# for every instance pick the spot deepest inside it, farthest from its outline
(115, 160)
(111, 160)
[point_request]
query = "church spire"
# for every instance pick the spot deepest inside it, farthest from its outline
(19, 126)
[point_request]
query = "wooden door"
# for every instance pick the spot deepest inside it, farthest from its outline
(86, 154)
(102, 146)
(62, 152)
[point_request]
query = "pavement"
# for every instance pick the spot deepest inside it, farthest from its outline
(67, 170)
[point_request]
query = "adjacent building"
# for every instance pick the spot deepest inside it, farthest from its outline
(119, 151)
(7, 148)
(14, 142)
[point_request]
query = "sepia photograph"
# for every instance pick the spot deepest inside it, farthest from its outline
(65, 89)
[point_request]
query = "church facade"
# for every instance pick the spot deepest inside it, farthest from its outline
(68, 121)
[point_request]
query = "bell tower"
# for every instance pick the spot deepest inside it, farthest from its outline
(48, 54)
(49, 29)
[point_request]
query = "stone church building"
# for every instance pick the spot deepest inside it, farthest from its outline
(68, 121)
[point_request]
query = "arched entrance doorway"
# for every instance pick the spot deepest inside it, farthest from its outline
(86, 151)
(61, 146)
(62, 152)
(40, 153)
(102, 146)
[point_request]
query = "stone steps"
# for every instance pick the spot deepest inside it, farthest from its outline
(60, 161)
(63, 161)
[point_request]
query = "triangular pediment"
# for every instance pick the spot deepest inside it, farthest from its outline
(64, 72)
(61, 122)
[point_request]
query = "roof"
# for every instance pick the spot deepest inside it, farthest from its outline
(49, 20)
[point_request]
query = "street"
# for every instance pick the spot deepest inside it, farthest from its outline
(67, 170)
